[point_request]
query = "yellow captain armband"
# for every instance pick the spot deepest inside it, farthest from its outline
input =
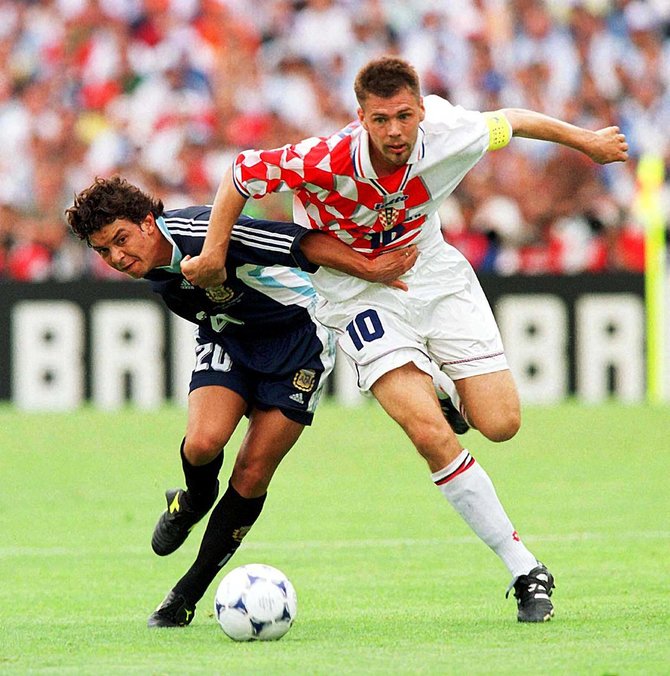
(500, 130)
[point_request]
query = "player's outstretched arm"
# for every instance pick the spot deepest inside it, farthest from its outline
(208, 268)
(602, 146)
(322, 249)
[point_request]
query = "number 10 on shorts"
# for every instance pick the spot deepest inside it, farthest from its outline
(365, 327)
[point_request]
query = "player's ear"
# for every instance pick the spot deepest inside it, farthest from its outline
(422, 109)
(361, 117)
(149, 223)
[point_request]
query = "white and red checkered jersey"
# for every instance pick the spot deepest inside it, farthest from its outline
(337, 190)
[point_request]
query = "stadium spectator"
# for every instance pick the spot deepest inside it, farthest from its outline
(171, 90)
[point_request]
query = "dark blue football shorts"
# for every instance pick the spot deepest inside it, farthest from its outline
(286, 371)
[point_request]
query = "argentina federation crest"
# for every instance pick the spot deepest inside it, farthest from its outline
(304, 379)
(389, 209)
(219, 294)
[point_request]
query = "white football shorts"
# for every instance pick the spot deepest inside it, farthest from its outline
(449, 324)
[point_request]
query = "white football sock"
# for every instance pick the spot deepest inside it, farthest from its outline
(470, 492)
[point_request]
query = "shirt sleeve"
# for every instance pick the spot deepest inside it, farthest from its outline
(268, 243)
(455, 130)
(259, 172)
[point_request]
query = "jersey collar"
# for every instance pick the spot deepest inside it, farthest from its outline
(176, 254)
(361, 153)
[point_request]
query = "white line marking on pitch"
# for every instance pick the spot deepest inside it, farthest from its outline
(15, 552)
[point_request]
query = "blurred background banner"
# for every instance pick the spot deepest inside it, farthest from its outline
(167, 92)
(115, 344)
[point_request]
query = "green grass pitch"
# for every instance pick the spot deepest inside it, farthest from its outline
(389, 580)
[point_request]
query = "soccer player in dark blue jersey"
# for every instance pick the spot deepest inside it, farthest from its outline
(259, 353)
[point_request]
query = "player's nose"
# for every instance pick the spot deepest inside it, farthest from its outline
(116, 256)
(394, 128)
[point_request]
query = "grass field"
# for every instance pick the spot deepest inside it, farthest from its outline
(389, 579)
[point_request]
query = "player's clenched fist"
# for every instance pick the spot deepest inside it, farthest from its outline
(609, 145)
(205, 270)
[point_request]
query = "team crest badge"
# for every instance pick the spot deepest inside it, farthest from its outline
(304, 379)
(219, 294)
(388, 217)
(388, 209)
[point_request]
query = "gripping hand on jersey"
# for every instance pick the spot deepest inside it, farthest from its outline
(205, 270)
(209, 268)
(322, 249)
(386, 268)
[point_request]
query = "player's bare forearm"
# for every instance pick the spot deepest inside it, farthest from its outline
(602, 146)
(322, 249)
(208, 268)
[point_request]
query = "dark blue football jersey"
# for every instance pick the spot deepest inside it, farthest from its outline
(267, 289)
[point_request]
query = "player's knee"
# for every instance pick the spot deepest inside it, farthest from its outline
(427, 435)
(202, 448)
(250, 478)
(501, 427)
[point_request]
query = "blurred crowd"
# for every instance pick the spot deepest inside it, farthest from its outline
(166, 92)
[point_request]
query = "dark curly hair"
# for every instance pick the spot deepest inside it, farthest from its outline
(107, 200)
(385, 77)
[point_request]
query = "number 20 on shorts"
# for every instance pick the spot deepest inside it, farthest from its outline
(364, 328)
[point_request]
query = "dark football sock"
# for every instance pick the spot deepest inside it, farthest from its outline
(229, 522)
(200, 479)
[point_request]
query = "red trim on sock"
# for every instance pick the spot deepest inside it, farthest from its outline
(466, 464)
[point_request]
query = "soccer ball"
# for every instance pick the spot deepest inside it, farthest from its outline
(255, 602)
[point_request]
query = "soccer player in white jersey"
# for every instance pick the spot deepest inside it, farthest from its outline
(377, 185)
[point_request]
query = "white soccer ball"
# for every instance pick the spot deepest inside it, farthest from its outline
(255, 602)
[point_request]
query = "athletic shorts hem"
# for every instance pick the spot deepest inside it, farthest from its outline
(301, 417)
